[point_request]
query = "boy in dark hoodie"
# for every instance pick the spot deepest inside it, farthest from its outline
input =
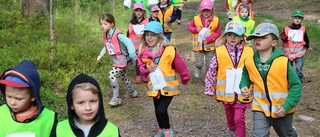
(86, 116)
(23, 113)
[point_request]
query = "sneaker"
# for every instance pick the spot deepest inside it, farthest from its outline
(160, 133)
(196, 73)
(179, 22)
(168, 133)
(115, 102)
(138, 79)
(133, 94)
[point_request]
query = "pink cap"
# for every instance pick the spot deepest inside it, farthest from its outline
(138, 5)
(206, 4)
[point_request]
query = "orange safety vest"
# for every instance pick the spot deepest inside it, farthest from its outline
(198, 46)
(164, 19)
(114, 50)
(271, 91)
(170, 75)
(134, 37)
(224, 60)
(294, 49)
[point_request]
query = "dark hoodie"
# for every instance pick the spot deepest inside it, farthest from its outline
(28, 69)
(101, 120)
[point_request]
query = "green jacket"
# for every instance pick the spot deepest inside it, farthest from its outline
(295, 86)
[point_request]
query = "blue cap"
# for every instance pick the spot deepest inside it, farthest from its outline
(234, 27)
(153, 26)
(14, 81)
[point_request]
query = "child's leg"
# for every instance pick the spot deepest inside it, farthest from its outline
(161, 109)
(239, 119)
(179, 12)
(208, 56)
(283, 126)
(261, 125)
(230, 117)
(198, 56)
(113, 81)
(126, 80)
(138, 75)
(167, 35)
(299, 65)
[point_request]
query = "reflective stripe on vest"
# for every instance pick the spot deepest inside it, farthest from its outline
(267, 98)
(133, 36)
(170, 74)
(119, 59)
(64, 130)
(164, 19)
(198, 46)
(292, 49)
(41, 126)
(224, 60)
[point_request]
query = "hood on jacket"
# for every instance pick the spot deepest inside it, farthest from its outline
(28, 70)
(101, 120)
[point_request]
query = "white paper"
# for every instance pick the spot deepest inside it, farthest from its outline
(234, 3)
(138, 29)
(127, 3)
(157, 79)
(233, 80)
(152, 2)
(22, 134)
(204, 32)
(110, 49)
(296, 35)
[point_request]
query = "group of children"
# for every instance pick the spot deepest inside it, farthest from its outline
(236, 75)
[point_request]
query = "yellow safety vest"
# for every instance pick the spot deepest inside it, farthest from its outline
(198, 46)
(249, 25)
(272, 91)
(164, 19)
(170, 75)
(224, 60)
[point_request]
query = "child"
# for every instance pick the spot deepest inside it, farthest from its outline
(230, 56)
(178, 5)
(24, 114)
(276, 87)
(247, 22)
(121, 50)
(154, 13)
(206, 20)
(230, 6)
(153, 54)
(295, 48)
(167, 16)
(138, 19)
(249, 2)
(86, 117)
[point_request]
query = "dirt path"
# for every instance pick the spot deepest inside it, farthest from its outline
(192, 114)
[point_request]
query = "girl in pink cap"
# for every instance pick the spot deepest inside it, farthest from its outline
(138, 20)
(203, 45)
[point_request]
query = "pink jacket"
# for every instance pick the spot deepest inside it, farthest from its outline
(192, 28)
(178, 64)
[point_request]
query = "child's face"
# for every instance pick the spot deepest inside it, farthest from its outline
(233, 39)
(105, 26)
(20, 100)
(151, 38)
(206, 13)
(154, 14)
(244, 13)
(138, 12)
(163, 2)
(86, 106)
(264, 43)
(297, 20)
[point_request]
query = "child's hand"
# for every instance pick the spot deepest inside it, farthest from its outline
(280, 112)
(289, 38)
(99, 57)
(198, 29)
(151, 68)
(245, 92)
(310, 49)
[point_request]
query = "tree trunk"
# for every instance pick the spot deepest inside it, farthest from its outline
(52, 36)
(32, 8)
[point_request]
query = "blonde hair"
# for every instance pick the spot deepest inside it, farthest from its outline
(143, 43)
(86, 86)
(222, 40)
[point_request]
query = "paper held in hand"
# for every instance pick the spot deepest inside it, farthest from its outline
(296, 35)
(157, 79)
(204, 32)
(233, 80)
(138, 29)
